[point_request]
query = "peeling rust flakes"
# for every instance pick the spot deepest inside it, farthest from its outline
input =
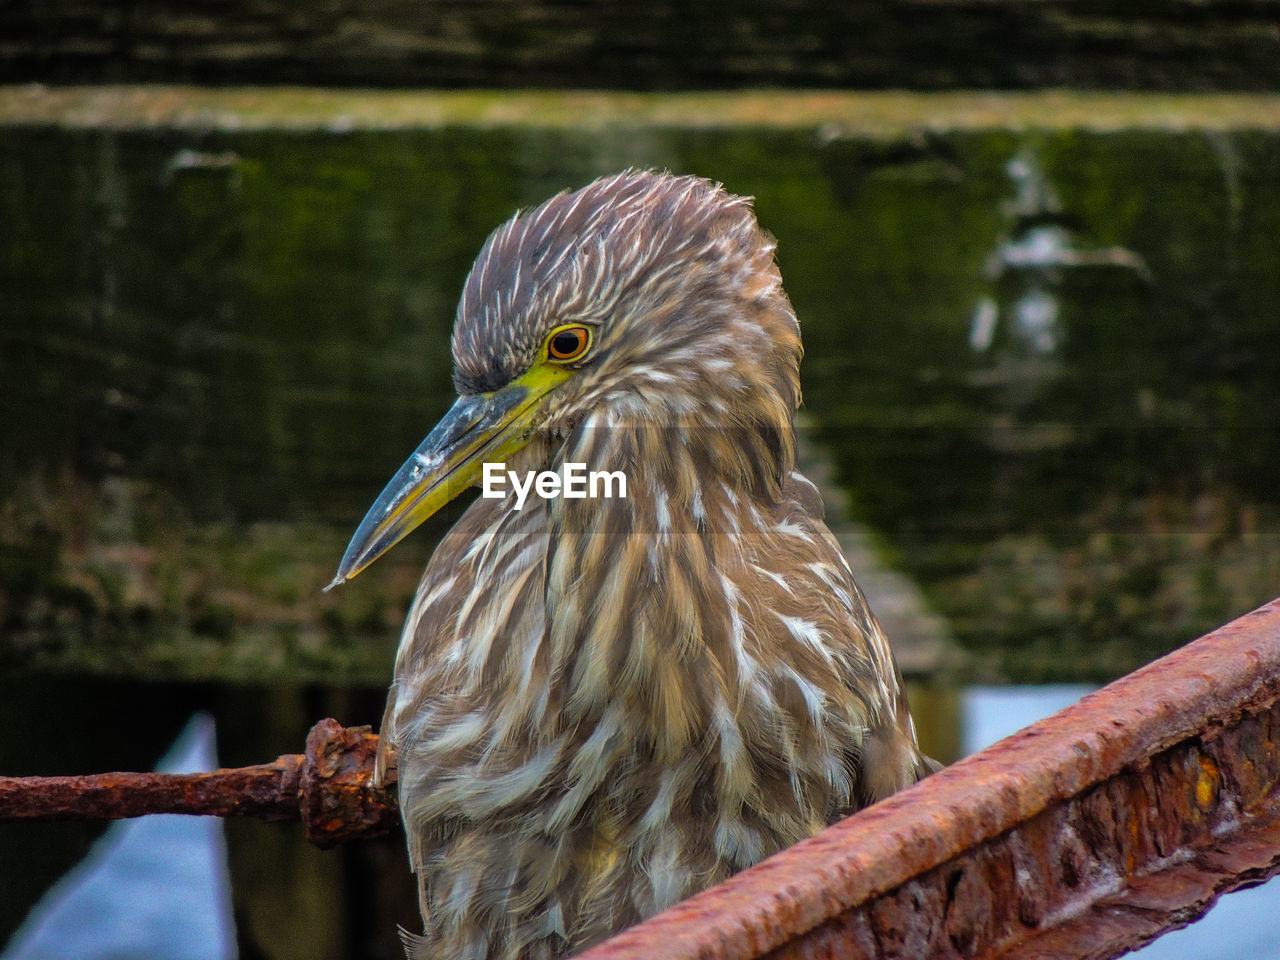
(1207, 782)
(337, 799)
(1094, 870)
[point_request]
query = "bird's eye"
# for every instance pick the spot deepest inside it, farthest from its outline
(568, 343)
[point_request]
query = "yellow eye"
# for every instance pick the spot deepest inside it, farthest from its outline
(568, 343)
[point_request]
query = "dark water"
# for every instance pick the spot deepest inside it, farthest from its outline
(1044, 364)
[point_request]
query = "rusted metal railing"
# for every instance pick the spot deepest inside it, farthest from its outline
(329, 788)
(1084, 835)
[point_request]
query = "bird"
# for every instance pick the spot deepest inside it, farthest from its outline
(602, 705)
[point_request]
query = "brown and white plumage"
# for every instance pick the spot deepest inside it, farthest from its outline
(601, 706)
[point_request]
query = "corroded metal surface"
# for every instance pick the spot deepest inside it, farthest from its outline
(337, 799)
(329, 787)
(267, 791)
(1083, 835)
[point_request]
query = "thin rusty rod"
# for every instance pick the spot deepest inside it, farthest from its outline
(1172, 773)
(268, 791)
(330, 788)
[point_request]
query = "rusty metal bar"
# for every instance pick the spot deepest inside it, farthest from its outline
(267, 791)
(1082, 836)
(329, 787)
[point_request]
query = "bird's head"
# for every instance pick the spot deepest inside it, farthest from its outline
(646, 296)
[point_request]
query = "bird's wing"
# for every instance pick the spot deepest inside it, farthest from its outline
(889, 758)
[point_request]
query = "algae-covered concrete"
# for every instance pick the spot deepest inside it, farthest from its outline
(866, 114)
(1041, 350)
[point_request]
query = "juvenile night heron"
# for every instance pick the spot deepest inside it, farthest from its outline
(602, 705)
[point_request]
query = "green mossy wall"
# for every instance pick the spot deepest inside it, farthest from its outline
(218, 345)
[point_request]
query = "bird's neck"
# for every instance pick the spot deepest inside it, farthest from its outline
(640, 600)
(672, 457)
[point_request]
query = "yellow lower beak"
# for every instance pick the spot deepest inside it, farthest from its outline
(484, 427)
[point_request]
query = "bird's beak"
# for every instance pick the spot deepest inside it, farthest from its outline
(484, 427)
